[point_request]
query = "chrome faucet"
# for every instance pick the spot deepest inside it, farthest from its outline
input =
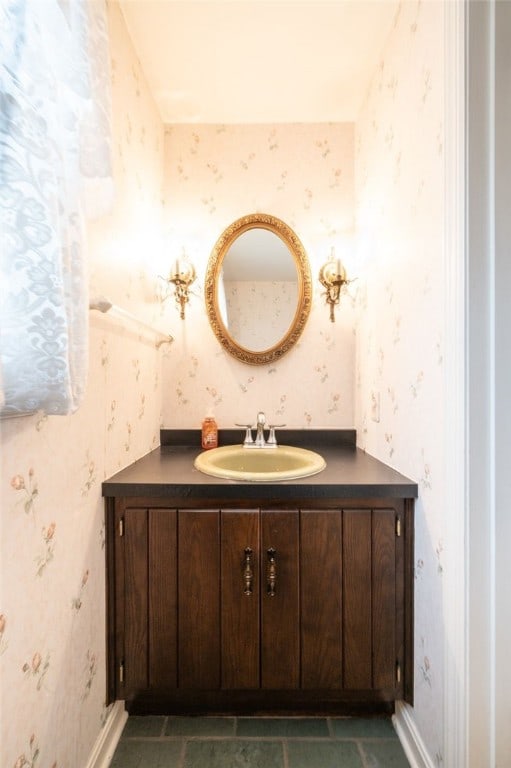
(261, 421)
(260, 441)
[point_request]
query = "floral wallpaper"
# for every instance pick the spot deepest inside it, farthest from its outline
(304, 175)
(52, 559)
(400, 321)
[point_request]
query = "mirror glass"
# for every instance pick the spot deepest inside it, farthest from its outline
(258, 288)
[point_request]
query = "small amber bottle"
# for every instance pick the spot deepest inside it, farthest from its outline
(209, 433)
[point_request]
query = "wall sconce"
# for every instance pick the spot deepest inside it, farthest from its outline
(332, 277)
(181, 277)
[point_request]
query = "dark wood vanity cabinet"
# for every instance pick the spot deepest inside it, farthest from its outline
(259, 609)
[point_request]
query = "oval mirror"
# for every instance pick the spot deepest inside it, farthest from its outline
(258, 289)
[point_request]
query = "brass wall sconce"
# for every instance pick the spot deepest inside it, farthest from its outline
(332, 277)
(181, 277)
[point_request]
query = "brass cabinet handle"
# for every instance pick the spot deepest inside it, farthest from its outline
(272, 572)
(248, 573)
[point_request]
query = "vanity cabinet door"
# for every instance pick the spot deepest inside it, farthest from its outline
(260, 599)
(162, 598)
(240, 595)
(145, 599)
(280, 600)
(351, 593)
(198, 556)
(132, 602)
(372, 621)
(167, 573)
(321, 599)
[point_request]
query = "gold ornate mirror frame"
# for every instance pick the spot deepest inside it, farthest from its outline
(297, 251)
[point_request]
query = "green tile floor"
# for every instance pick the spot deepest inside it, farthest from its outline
(258, 742)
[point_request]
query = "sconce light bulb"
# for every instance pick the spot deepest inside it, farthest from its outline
(340, 272)
(175, 270)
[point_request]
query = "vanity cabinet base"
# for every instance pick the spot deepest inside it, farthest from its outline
(253, 610)
(250, 702)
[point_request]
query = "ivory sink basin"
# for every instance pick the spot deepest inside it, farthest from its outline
(283, 462)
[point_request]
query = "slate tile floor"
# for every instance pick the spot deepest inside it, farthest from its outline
(258, 742)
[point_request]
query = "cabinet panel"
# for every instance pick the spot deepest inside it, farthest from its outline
(384, 598)
(240, 595)
(370, 609)
(357, 624)
(280, 644)
(199, 599)
(162, 615)
(321, 590)
(134, 657)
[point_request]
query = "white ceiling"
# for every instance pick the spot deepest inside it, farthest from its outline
(258, 61)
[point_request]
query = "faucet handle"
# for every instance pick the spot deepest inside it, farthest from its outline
(249, 440)
(272, 440)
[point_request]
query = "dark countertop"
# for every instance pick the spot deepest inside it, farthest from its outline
(168, 471)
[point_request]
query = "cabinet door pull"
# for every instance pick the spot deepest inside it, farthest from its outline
(272, 572)
(248, 573)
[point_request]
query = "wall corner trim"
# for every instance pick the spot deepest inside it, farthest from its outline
(108, 738)
(455, 589)
(410, 738)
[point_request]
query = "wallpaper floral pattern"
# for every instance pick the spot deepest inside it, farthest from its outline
(304, 175)
(400, 356)
(52, 607)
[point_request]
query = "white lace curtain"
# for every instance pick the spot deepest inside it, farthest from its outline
(54, 172)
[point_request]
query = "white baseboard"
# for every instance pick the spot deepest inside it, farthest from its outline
(108, 738)
(409, 737)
